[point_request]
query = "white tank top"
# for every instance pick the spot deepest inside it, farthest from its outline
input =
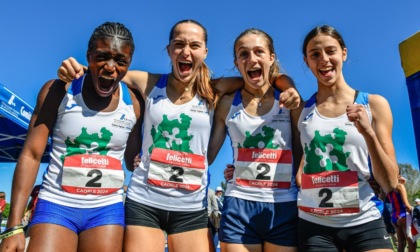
(262, 153)
(335, 191)
(173, 171)
(87, 152)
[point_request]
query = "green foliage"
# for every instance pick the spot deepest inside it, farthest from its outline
(223, 185)
(413, 181)
(6, 210)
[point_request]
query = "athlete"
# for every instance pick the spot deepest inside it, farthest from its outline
(168, 190)
(259, 210)
(400, 208)
(89, 120)
(346, 136)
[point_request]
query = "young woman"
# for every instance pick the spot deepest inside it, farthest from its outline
(168, 190)
(400, 207)
(90, 120)
(346, 137)
(259, 211)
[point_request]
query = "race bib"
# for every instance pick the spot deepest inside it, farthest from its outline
(330, 193)
(264, 168)
(92, 174)
(176, 169)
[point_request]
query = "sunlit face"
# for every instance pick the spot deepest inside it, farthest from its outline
(253, 60)
(108, 63)
(325, 58)
(187, 51)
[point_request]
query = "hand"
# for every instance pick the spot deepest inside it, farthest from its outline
(70, 69)
(375, 186)
(137, 161)
(290, 98)
(357, 114)
(13, 243)
(228, 173)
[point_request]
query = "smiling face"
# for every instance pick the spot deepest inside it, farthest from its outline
(187, 50)
(253, 59)
(108, 61)
(325, 57)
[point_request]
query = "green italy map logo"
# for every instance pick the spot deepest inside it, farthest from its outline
(326, 153)
(172, 134)
(254, 141)
(87, 143)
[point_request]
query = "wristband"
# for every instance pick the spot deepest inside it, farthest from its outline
(11, 233)
(13, 228)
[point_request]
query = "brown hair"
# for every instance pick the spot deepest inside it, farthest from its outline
(325, 29)
(203, 79)
(275, 67)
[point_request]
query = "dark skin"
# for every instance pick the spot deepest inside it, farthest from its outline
(108, 61)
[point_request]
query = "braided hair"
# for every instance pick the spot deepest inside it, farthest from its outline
(111, 29)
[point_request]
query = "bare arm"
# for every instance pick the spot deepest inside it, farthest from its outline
(134, 141)
(297, 150)
(401, 189)
(218, 131)
(290, 97)
(143, 81)
(378, 137)
(71, 69)
(40, 127)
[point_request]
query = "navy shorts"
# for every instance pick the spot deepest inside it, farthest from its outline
(171, 221)
(368, 236)
(77, 219)
(253, 222)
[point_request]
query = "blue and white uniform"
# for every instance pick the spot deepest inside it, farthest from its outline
(260, 200)
(262, 149)
(87, 152)
(335, 191)
(172, 174)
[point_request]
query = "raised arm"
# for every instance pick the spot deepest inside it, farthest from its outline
(71, 69)
(218, 131)
(40, 127)
(289, 98)
(378, 137)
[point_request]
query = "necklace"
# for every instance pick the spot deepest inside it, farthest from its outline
(256, 97)
(186, 88)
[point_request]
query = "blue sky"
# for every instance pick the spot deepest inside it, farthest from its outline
(37, 35)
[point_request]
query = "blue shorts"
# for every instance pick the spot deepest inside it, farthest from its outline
(252, 222)
(77, 219)
(396, 217)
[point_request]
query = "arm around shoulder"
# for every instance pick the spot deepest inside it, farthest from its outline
(142, 81)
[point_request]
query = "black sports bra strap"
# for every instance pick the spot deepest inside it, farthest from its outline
(355, 95)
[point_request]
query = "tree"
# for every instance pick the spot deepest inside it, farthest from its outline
(6, 211)
(413, 181)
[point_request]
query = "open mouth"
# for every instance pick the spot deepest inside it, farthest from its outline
(106, 83)
(185, 66)
(326, 71)
(254, 74)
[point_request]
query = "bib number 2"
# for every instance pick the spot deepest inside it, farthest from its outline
(92, 174)
(328, 195)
